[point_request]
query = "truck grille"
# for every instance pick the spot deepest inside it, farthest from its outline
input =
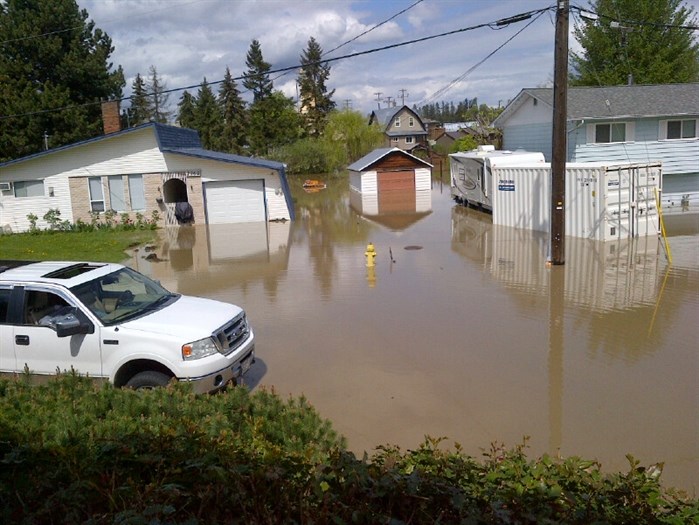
(233, 334)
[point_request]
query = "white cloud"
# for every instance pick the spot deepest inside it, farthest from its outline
(190, 40)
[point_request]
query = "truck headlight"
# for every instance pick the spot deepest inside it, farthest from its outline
(198, 349)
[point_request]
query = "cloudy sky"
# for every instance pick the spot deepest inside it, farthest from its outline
(189, 40)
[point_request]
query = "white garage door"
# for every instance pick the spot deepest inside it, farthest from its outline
(231, 201)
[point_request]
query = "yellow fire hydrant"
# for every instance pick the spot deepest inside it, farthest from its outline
(370, 254)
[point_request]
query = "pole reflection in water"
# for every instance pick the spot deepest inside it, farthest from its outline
(470, 337)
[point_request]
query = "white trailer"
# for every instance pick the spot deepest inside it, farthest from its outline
(472, 176)
(603, 201)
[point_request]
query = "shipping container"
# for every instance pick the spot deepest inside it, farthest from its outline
(471, 172)
(602, 201)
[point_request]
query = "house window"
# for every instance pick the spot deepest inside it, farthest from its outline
(681, 129)
(96, 194)
(394, 139)
(605, 133)
(396, 122)
(117, 199)
(409, 140)
(29, 188)
(138, 196)
(411, 121)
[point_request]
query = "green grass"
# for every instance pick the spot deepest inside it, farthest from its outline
(99, 245)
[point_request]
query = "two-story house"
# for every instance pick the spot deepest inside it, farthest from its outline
(402, 126)
(632, 123)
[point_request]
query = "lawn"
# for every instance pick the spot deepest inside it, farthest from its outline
(98, 245)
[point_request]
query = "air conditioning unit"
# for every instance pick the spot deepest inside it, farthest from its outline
(5, 186)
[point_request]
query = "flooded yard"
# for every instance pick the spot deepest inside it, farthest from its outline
(460, 330)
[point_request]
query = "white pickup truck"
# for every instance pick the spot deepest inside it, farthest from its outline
(108, 321)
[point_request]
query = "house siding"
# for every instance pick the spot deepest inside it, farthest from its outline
(14, 211)
(529, 137)
(677, 156)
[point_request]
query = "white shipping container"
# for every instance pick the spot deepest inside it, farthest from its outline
(602, 201)
(471, 172)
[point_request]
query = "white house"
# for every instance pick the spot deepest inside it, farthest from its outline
(138, 171)
(633, 123)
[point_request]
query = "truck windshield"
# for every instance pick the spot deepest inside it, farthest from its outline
(122, 295)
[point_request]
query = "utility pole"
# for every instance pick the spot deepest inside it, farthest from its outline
(378, 99)
(403, 95)
(559, 146)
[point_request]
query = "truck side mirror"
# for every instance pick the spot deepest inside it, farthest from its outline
(68, 321)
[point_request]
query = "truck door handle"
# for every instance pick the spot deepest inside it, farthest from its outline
(22, 340)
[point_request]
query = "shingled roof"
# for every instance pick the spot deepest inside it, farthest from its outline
(630, 101)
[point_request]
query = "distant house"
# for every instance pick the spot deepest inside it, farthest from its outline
(634, 123)
(402, 126)
(447, 138)
(140, 170)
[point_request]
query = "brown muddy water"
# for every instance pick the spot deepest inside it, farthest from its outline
(460, 330)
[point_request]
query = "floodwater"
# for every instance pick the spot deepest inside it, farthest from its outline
(460, 330)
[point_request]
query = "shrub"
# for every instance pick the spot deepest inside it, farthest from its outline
(74, 452)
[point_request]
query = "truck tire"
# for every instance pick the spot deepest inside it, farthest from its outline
(148, 379)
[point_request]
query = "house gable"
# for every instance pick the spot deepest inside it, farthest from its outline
(402, 126)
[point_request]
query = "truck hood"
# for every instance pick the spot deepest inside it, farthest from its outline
(187, 319)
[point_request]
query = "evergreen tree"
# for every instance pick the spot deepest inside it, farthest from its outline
(257, 76)
(52, 58)
(207, 116)
(140, 111)
(158, 98)
(273, 122)
(232, 139)
(316, 101)
(637, 38)
(186, 111)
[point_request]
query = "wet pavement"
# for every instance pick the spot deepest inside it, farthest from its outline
(460, 330)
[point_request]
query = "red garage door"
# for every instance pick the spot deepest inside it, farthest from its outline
(396, 180)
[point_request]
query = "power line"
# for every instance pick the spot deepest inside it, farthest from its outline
(440, 92)
(493, 25)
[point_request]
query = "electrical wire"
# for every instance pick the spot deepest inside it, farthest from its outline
(440, 92)
(493, 25)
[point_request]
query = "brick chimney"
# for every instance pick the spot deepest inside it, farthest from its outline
(111, 120)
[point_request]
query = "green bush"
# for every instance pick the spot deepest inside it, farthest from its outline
(73, 452)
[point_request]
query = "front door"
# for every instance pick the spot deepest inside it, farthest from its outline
(38, 348)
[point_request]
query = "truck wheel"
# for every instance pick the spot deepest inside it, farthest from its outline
(148, 379)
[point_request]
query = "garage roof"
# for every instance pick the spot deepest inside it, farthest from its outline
(370, 159)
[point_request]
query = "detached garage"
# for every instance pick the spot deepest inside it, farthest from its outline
(386, 170)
